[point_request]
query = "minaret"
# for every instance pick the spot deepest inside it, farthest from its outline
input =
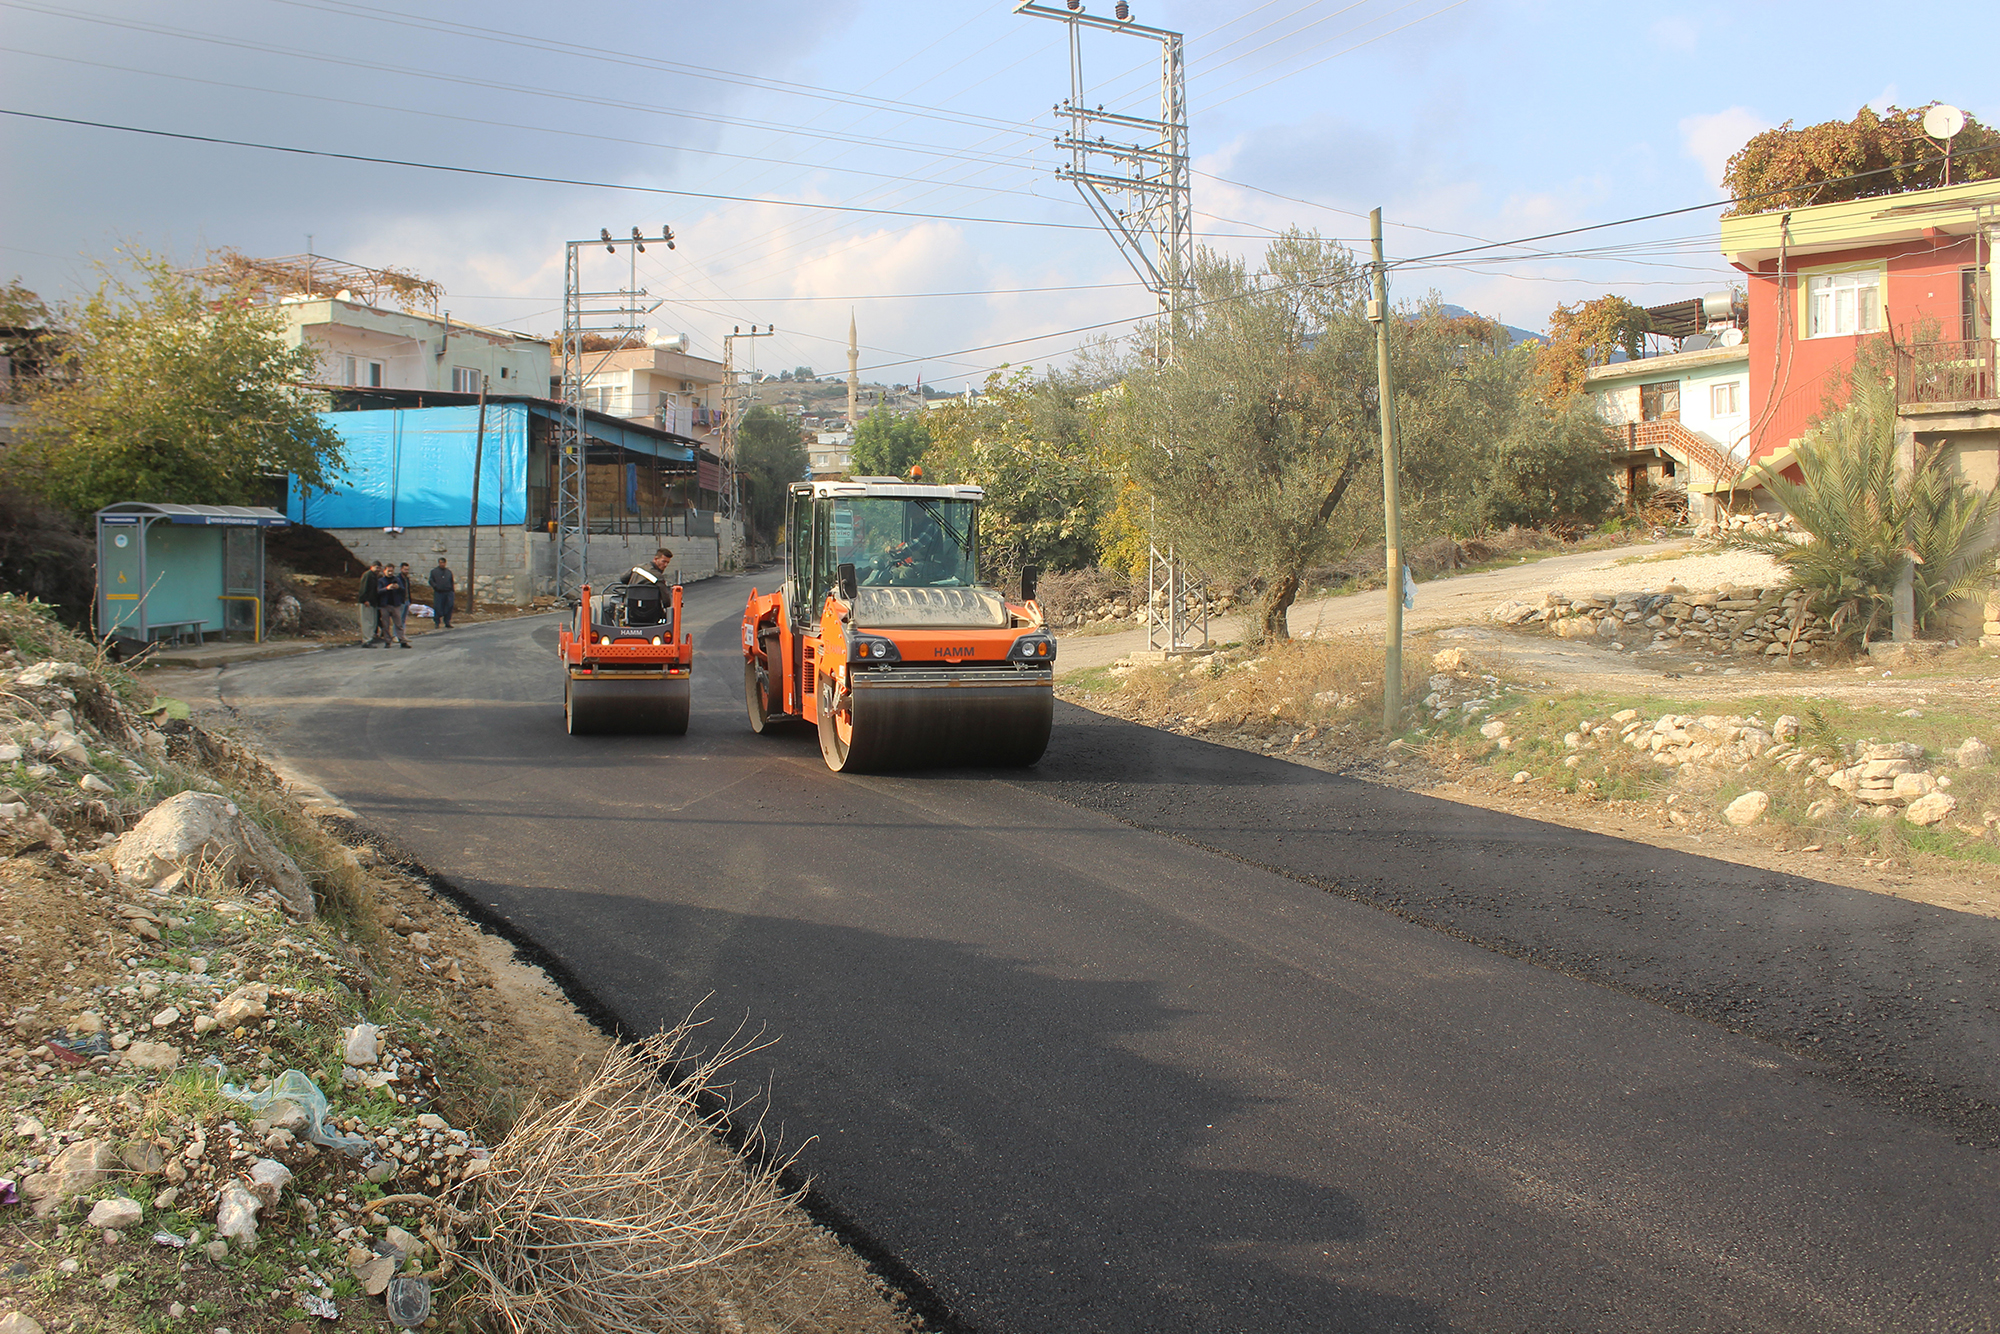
(853, 372)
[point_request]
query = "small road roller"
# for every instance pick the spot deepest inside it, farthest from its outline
(627, 663)
(883, 637)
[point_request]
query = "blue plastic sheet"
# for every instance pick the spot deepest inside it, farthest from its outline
(412, 468)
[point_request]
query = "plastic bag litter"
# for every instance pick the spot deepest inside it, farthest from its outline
(297, 1087)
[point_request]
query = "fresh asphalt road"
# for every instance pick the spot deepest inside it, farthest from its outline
(1261, 1071)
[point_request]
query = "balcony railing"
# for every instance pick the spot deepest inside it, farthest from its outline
(1958, 371)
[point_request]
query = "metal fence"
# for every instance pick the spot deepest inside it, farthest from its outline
(1958, 371)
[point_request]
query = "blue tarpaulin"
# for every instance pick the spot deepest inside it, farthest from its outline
(412, 468)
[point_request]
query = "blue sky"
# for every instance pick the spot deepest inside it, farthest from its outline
(1486, 119)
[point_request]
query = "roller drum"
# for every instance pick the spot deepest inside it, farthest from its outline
(936, 726)
(608, 704)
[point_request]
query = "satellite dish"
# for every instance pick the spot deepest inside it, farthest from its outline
(1942, 121)
(1732, 338)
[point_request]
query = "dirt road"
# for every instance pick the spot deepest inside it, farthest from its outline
(1466, 598)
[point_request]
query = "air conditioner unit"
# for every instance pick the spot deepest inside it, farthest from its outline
(687, 386)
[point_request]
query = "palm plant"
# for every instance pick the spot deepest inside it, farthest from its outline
(1870, 521)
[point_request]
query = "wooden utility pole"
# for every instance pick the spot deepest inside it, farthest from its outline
(1392, 505)
(472, 532)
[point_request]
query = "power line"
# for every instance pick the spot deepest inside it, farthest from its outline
(546, 180)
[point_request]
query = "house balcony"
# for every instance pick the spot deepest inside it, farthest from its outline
(1959, 371)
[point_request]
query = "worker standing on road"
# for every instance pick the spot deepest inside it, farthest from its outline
(393, 595)
(371, 580)
(409, 583)
(444, 594)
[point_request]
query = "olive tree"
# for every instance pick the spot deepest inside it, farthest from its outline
(1250, 442)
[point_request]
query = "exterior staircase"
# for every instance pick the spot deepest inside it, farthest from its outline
(1685, 447)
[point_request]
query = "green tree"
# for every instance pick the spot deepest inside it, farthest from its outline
(769, 458)
(1550, 470)
(1586, 335)
(1246, 446)
(887, 443)
(1028, 442)
(1872, 521)
(1888, 153)
(163, 391)
(802, 373)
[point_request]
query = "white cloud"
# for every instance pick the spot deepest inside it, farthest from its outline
(1711, 139)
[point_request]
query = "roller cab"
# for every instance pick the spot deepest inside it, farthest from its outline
(883, 639)
(627, 663)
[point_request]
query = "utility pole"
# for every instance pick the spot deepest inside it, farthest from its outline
(619, 316)
(472, 530)
(1392, 505)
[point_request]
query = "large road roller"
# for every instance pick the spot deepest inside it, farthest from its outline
(627, 664)
(883, 637)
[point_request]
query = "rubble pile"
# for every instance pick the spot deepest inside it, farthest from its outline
(1773, 622)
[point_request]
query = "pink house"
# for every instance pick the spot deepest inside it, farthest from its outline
(1911, 268)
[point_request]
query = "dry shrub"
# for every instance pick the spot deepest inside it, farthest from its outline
(1068, 593)
(621, 1210)
(1303, 683)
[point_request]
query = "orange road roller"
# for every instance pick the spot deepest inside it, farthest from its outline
(883, 637)
(627, 663)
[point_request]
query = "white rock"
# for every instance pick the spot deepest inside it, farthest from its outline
(1931, 809)
(1625, 716)
(1786, 728)
(153, 1055)
(92, 783)
(1522, 776)
(236, 1215)
(19, 1322)
(268, 1179)
(51, 672)
(1747, 809)
(75, 1171)
(1973, 753)
(1911, 786)
(363, 1044)
(197, 828)
(116, 1213)
(1822, 807)
(167, 1018)
(1494, 730)
(242, 1005)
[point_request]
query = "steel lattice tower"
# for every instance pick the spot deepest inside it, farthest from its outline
(1155, 230)
(1155, 233)
(617, 316)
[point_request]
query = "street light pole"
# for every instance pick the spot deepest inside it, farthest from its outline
(1392, 515)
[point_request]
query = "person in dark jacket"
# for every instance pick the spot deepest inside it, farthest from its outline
(393, 593)
(371, 580)
(444, 593)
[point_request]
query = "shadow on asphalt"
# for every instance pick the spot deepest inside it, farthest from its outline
(1899, 999)
(985, 1064)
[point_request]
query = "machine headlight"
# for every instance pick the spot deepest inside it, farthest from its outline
(656, 639)
(869, 649)
(1034, 648)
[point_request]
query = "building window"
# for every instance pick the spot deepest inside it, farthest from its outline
(347, 370)
(374, 378)
(464, 380)
(1843, 303)
(503, 372)
(1975, 300)
(1660, 401)
(1725, 399)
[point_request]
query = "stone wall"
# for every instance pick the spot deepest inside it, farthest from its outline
(1728, 620)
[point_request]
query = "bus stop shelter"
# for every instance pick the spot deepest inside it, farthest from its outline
(181, 571)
